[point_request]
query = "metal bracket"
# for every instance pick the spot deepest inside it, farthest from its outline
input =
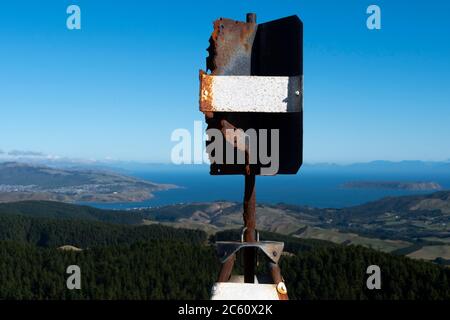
(272, 249)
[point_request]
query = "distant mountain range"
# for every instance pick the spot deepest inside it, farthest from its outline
(406, 166)
(20, 181)
(372, 166)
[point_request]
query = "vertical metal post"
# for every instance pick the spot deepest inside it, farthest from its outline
(251, 17)
(250, 212)
(250, 224)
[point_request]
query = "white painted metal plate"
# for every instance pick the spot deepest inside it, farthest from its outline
(244, 291)
(250, 94)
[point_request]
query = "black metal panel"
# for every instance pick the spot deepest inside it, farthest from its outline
(278, 48)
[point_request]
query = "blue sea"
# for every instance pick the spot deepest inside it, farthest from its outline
(309, 187)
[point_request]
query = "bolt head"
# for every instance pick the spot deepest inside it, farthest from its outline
(281, 288)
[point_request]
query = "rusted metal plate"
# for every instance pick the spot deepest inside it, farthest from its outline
(231, 47)
(250, 94)
(272, 249)
(268, 49)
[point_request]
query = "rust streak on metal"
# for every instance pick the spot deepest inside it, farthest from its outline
(206, 92)
(230, 47)
(225, 125)
(231, 138)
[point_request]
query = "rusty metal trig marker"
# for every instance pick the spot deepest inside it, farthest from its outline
(254, 89)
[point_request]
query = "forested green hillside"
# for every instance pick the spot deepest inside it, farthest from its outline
(151, 270)
(59, 210)
(173, 270)
(85, 234)
(340, 273)
(122, 261)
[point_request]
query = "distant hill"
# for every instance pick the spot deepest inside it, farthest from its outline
(437, 203)
(56, 233)
(393, 185)
(391, 224)
(19, 181)
(383, 166)
(402, 225)
(59, 210)
(396, 215)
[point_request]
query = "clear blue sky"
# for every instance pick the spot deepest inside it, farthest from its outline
(118, 87)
